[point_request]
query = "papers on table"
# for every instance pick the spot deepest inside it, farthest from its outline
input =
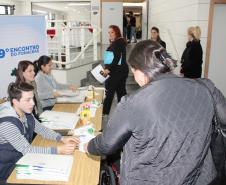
(67, 92)
(71, 97)
(97, 72)
(59, 120)
(85, 133)
(44, 167)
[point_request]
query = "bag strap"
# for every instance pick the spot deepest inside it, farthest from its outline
(215, 118)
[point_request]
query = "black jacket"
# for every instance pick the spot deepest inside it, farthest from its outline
(192, 60)
(118, 47)
(165, 131)
(162, 43)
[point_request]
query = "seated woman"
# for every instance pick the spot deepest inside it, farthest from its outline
(47, 86)
(26, 73)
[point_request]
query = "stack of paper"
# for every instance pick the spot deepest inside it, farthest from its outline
(67, 92)
(59, 120)
(98, 73)
(44, 167)
(69, 96)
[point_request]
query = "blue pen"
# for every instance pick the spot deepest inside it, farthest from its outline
(38, 166)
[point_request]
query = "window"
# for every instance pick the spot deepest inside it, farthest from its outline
(2, 10)
(7, 9)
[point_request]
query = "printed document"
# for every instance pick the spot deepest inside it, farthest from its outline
(59, 120)
(98, 73)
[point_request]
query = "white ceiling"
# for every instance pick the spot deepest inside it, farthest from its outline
(64, 6)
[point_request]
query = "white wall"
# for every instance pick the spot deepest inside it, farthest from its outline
(58, 15)
(217, 64)
(111, 15)
(18, 5)
(95, 13)
(174, 17)
(144, 20)
(79, 14)
(72, 76)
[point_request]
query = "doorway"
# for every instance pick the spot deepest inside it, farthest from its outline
(140, 13)
(216, 43)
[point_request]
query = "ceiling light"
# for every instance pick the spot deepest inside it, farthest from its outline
(132, 4)
(78, 4)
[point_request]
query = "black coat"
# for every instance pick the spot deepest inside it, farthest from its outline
(118, 47)
(191, 60)
(162, 43)
(164, 129)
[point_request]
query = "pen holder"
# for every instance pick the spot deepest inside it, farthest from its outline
(85, 115)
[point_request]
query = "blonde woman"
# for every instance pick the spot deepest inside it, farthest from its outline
(191, 60)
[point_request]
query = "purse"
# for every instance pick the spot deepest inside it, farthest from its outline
(218, 143)
(109, 56)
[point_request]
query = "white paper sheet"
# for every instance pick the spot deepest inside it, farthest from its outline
(97, 73)
(59, 120)
(44, 167)
(72, 97)
(67, 92)
(84, 135)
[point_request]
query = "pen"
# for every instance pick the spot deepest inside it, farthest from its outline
(28, 166)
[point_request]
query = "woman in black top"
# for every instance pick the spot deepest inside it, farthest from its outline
(191, 60)
(156, 37)
(118, 69)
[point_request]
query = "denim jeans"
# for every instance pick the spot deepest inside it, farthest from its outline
(133, 33)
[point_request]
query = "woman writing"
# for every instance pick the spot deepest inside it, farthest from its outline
(165, 127)
(47, 86)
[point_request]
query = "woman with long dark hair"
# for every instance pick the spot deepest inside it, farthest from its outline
(164, 127)
(155, 36)
(117, 69)
(47, 86)
(26, 73)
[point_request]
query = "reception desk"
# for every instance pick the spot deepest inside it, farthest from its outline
(85, 169)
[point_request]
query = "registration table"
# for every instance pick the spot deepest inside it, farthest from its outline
(85, 169)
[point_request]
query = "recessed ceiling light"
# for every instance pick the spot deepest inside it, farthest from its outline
(132, 4)
(78, 4)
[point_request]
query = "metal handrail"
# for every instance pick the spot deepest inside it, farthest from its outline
(81, 52)
(96, 32)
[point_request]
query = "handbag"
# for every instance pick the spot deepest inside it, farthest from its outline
(218, 143)
(109, 56)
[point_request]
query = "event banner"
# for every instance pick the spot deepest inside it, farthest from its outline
(21, 38)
